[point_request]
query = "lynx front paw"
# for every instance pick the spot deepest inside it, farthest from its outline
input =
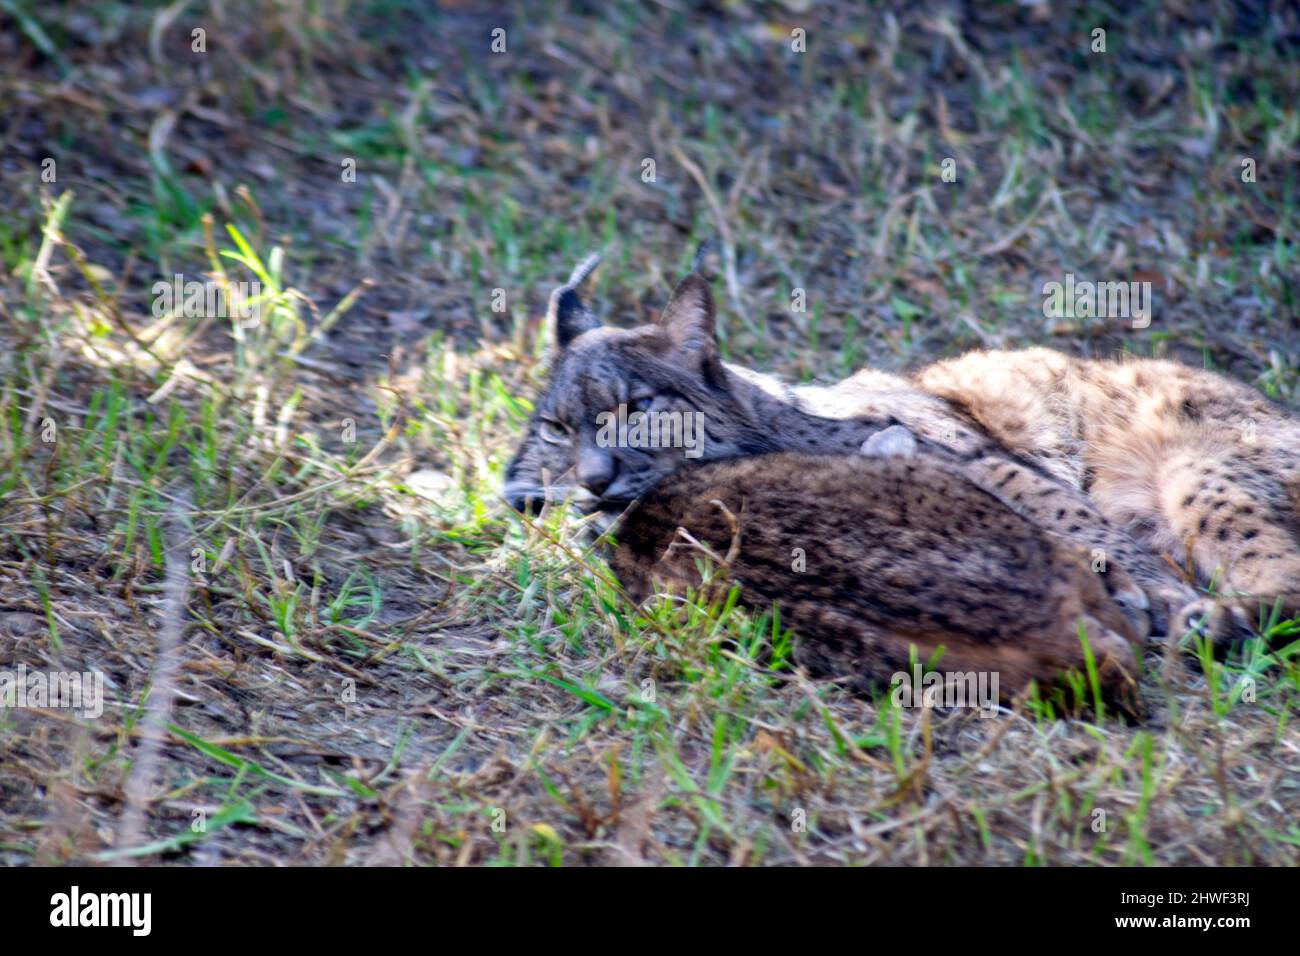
(1167, 600)
(892, 442)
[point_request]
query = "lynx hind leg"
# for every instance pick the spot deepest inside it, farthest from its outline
(892, 442)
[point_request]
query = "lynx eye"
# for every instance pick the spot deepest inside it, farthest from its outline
(556, 433)
(642, 404)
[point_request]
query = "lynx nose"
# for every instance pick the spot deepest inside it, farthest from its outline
(596, 470)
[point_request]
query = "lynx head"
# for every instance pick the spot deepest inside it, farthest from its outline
(626, 407)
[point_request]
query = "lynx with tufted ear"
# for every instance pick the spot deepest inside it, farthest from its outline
(672, 368)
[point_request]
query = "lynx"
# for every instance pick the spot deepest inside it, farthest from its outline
(871, 559)
(672, 367)
(1196, 466)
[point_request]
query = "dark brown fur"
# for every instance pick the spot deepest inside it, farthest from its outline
(899, 552)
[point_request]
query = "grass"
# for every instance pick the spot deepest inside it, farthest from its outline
(379, 664)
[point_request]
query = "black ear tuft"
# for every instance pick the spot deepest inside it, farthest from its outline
(568, 315)
(701, 255)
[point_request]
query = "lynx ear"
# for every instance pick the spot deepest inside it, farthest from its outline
(690, 320)
(568, 315)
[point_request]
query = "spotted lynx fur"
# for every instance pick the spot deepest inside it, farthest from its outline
(875, 558)
(1198, 467)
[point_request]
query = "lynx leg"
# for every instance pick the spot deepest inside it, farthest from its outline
(1237, 531)
(1152, 586)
